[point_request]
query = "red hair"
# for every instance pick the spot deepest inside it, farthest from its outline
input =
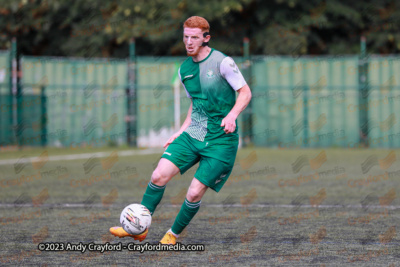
(197, 22)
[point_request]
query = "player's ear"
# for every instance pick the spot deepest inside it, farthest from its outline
(207, 37)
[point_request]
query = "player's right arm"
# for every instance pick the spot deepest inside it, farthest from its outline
(185, 124)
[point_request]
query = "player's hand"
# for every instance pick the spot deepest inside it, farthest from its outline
(229, 123)
(171, 139)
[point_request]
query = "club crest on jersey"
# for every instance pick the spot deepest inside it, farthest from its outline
(210, 74)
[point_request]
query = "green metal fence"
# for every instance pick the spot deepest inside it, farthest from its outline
(346, 101)
(383, 106)
(86, 100)
(303, 102)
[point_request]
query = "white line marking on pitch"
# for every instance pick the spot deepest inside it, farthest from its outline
(82, 205)
(84, 156)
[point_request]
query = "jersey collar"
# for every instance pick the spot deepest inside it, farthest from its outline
(212, 49)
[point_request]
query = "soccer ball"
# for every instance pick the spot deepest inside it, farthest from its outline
(135, 219)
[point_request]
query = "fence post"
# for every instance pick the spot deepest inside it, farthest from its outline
(43, 116)
(363, 93)
(131, 117)
(9, 130)
(15, 93)
(247, 113)
(306, 95)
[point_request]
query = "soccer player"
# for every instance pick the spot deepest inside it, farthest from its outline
(209, 133)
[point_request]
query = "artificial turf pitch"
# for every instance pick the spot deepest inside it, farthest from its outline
(295, 207)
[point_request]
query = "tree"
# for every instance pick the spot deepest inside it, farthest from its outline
(285, 27)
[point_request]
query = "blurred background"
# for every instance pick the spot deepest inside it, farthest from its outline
(77, 74)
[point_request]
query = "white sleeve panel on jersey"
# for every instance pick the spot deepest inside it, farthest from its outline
(180, 79)
(232, 74)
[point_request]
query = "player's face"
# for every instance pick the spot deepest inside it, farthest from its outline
(193, 39)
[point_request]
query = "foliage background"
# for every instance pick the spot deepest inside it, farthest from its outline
(280, 27)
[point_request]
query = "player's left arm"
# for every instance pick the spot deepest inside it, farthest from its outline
(241, 103)
(234, 77)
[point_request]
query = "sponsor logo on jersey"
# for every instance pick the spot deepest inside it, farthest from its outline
(169, 154)
(188, 76)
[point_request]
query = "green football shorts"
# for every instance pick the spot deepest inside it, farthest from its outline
(216, 158)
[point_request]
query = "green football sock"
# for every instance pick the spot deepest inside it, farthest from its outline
(152, 196)
(185, 215)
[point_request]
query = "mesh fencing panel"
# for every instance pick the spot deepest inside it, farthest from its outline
(297, 102)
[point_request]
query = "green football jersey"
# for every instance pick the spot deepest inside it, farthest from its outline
(211, 83)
